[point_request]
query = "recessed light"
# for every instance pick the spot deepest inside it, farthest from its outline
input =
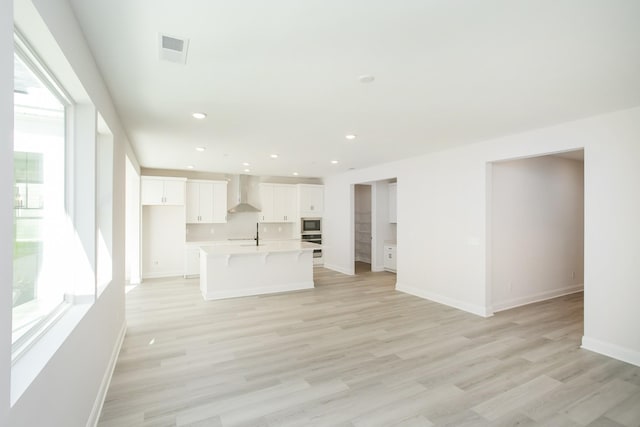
(366, 78)
(274, 156)
(350, 136)
(246, 164)
(199, 116)
(247, 170)
(334, 162)
(200, 149)
(295, 174)
(190, 167)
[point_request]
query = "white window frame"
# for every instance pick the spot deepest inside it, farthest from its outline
(24, 51)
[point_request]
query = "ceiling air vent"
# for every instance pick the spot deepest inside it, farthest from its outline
(173, 49)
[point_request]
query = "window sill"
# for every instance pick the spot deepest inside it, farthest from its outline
(31, 363)
(32, 319)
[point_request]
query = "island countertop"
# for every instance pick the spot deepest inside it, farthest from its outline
(264, 248)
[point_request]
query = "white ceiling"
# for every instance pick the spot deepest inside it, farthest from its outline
(281, 76)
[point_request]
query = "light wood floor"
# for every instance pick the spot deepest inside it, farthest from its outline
(354, 352)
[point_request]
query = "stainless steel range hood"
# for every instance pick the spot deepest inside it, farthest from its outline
(243, 194)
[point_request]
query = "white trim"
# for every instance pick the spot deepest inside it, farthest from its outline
(28, 55)
(214, 295)
(35, 332)
(177, 273)
(338, 269)
(31, 363)
(441, 299)
(106, 380)
(541, 296)
(612, 350)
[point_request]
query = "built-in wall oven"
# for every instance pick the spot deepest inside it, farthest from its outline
(311, 231)
(313, 238)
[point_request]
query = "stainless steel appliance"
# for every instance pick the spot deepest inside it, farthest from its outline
(311, 231)
(311, 225)
(313, 238)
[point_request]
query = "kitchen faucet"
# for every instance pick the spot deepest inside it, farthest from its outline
(257, 234)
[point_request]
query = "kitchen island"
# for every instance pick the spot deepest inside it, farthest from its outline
(228, 271)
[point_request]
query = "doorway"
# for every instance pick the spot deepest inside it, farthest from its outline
(362, 227)
(536, 229)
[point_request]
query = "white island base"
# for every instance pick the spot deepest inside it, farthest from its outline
(237, 271)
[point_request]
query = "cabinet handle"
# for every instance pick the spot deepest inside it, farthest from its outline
(389, 256)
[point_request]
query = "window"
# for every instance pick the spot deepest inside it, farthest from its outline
(40, 218)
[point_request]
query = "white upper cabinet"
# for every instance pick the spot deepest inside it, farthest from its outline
(206, 201)
(393, 203)
(267, 192)
(279, 203)
(220, 201)
(162, 191)
(311, 200)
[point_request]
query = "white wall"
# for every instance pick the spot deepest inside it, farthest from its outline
(442, 204)
(64, 392)
(132, 224)
(537, 230)
(6, 203)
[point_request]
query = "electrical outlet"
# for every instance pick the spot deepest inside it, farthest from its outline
(279, 229)
(213, 231)
(155, 262)
(264, 229)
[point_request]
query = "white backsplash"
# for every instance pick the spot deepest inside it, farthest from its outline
(238, 226)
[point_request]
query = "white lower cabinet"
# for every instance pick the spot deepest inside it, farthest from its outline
(390, 257)
(191, 260)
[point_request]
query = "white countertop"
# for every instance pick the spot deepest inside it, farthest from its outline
(234, 242)
(264, 248)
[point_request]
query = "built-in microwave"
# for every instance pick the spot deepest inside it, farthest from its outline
(311, 225)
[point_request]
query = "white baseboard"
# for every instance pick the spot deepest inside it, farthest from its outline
(161, 275)
(106, 380)
(441, 299)
(612, 350)
(541, 296)
(338, 269)
(214, 295)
